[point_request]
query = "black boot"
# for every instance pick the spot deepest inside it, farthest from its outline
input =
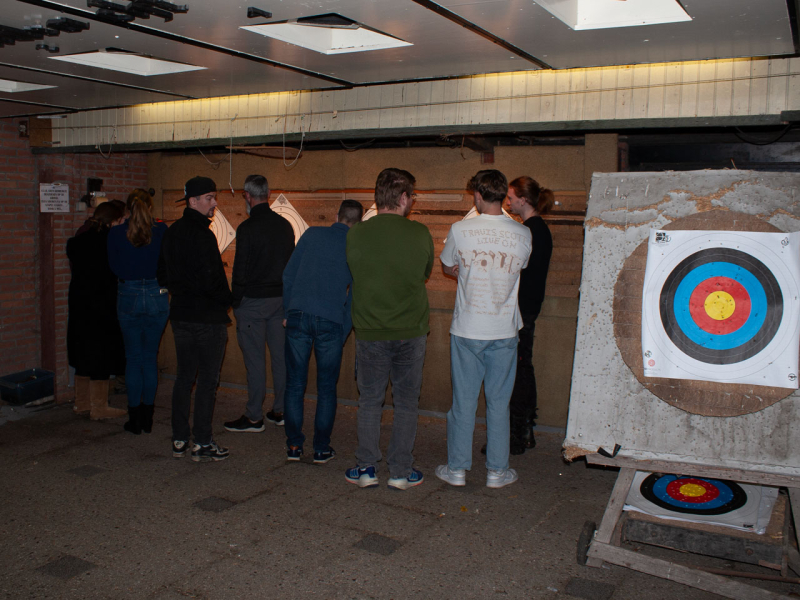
(527, 437)
(134, 424)
(147, 417)
(516, 442)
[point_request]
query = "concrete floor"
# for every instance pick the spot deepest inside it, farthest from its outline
(90, 511)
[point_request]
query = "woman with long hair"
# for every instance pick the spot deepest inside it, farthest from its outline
(94, 342)
(142, 305)
(530, 201)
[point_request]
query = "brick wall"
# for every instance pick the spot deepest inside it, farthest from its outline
(20, 294)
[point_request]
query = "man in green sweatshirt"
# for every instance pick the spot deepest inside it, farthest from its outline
(390, 258)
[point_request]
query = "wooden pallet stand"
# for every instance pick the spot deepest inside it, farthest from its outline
(605, 545)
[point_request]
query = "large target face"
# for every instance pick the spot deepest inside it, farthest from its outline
(285, 209)
(722, 306)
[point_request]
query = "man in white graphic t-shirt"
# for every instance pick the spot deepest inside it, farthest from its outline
(486, 253)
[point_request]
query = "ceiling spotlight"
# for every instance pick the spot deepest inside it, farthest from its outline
(50, 49)
(67, 25)
(253, 12)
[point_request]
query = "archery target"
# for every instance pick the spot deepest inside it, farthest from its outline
(371, 212)
(702, 500)
(722, 306)
(222, 229)
(285, 209)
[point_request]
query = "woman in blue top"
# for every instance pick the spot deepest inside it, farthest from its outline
(142, 306)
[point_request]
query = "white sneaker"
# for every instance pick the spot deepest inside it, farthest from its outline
(498, 478)
(456, 477)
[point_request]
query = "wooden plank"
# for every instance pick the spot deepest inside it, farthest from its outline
(679, 573)
(613, 510)
(793, 558)
(664, 466)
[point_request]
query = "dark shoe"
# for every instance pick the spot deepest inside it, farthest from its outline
(134, 424)
(294, 453)
(245, 425)
(364, 478)
(320, 458)
(275, 417)
(179, 448)
(208, 452)
(147, 417)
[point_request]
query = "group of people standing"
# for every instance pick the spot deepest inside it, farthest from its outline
(367, 275)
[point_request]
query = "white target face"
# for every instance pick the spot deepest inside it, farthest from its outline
(285, 209)
(222, 229)
(722, 306)
(371, 212)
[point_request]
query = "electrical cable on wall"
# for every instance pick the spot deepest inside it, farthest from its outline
(110, 144)
(214, 165)
(302, 137)
(230, 157)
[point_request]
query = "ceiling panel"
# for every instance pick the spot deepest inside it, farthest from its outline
(719, 29)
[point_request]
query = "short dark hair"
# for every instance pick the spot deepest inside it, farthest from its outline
(350, 212)
(491, 184)
(391, 184)
(257, 186)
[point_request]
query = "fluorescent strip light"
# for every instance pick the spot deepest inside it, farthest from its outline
(127, 62)
(12, 87)
(603, 14)
(333, 39)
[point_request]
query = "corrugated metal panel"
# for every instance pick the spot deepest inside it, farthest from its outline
(721, 88)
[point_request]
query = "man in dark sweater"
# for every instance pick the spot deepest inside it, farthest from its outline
(316, 300)
(190, 267)
(264, 243)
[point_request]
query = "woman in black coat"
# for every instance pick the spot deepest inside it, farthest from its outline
(94, 340)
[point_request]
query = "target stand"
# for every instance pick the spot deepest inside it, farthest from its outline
(773, 551)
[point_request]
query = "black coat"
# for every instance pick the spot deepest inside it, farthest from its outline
(190, 266)
(94, 340)
(264, 244)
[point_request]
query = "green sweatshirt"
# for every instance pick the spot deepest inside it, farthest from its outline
(390, 259)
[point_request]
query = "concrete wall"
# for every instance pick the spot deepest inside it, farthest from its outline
(438, 170)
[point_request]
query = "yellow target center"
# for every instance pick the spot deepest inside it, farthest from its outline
(720, 305)
(692, 489)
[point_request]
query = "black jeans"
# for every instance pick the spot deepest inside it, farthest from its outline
(523, 398)
(199, 348)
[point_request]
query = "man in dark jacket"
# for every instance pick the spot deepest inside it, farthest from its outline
(264, 243)
(190, 267)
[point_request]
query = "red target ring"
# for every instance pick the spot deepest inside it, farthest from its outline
(719, 284)
(675, 490)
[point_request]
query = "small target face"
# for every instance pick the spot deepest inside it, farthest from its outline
(693, 495)
(721, 306)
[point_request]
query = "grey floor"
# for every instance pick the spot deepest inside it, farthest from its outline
(90, 511)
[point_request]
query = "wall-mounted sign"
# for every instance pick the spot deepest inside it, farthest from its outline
(54, 197)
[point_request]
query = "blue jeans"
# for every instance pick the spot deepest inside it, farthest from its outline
(402, 360)
(304, 330)
(142, 311)
(199, 348)
(493, 362)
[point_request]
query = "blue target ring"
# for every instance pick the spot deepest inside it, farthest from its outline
(758, 303)
(723, 497)
(758, 282)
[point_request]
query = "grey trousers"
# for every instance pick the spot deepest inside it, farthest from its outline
(378, 362)
(259, 323)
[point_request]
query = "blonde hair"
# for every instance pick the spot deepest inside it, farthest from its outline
(140, 224)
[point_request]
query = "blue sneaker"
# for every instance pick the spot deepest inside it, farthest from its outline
(362, 477)
(403, 483)
(294, 453)
(320, 458)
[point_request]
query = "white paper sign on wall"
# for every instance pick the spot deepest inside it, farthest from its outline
(54, 197)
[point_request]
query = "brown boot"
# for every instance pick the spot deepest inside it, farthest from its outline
(98, 395)
(82, 404)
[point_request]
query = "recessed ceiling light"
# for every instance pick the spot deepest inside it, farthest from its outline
(127, 62)
(603, 14)
(328, 34)
(12, 87)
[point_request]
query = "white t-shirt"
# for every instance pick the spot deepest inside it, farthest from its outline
(490, 251)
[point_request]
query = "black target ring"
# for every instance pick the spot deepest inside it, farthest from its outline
(769, 290)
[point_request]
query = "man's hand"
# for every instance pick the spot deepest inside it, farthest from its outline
(284, 323)
(451, 271)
